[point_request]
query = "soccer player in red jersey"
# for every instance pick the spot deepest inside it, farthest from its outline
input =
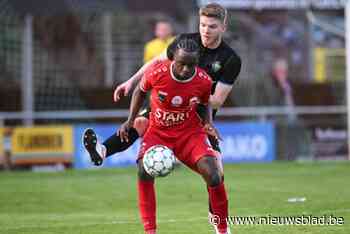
(216, 57)
(177, 87)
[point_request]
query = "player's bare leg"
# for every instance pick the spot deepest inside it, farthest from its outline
(141, 125)
(209, 168)
(147, 199)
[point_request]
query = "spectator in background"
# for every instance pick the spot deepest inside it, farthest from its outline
(280, 75)
(164, 36)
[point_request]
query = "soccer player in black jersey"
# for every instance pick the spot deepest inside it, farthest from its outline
(216, 57)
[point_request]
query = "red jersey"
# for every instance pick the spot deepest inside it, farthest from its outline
(173, 101)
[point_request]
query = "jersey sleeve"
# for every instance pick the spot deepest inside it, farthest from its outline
(206, 93)
(147, 80)
(231, 69)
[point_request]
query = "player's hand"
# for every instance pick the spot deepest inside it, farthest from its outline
(212, 131)
(123, 131)
(122, 90)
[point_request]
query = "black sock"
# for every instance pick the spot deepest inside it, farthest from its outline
(114, 144)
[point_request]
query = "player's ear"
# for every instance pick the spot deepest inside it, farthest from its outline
(225, 21)
(224, 26)
(175, 55)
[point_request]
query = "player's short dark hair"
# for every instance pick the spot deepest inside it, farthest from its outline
(214, 10)
(188, 45)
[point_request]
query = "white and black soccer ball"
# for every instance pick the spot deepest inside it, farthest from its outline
(159, 160)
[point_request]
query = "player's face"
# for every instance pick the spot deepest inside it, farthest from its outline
(184, 64)
(211, 30)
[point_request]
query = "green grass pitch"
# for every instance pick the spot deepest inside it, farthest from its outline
(105, 201)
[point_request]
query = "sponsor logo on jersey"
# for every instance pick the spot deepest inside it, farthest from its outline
(162, 95)
(176, 101)
(170, 118)
(216, 66)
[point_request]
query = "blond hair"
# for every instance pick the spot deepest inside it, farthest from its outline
(214, 10)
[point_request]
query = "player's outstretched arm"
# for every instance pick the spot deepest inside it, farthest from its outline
(137, 99)
(124, 88)
(220, 94)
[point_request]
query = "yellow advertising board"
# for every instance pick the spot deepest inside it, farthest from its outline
(329, 64)
(44, 144)
(320, 64)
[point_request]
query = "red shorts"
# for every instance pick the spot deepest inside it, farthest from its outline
(188, 147)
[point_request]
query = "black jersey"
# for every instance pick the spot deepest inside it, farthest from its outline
(222, 63)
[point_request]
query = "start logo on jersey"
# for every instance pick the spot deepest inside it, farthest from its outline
(170, 118)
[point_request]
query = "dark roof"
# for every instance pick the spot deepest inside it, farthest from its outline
(50, 7)
(53, 7)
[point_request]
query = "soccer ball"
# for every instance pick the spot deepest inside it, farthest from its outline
(159, 160)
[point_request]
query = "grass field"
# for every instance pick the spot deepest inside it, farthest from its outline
(104, 201)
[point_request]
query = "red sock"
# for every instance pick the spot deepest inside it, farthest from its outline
(219, 204)
(151, 232)
(147, 204)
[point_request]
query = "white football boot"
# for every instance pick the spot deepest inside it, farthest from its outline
(96, 150)
(210, 219)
